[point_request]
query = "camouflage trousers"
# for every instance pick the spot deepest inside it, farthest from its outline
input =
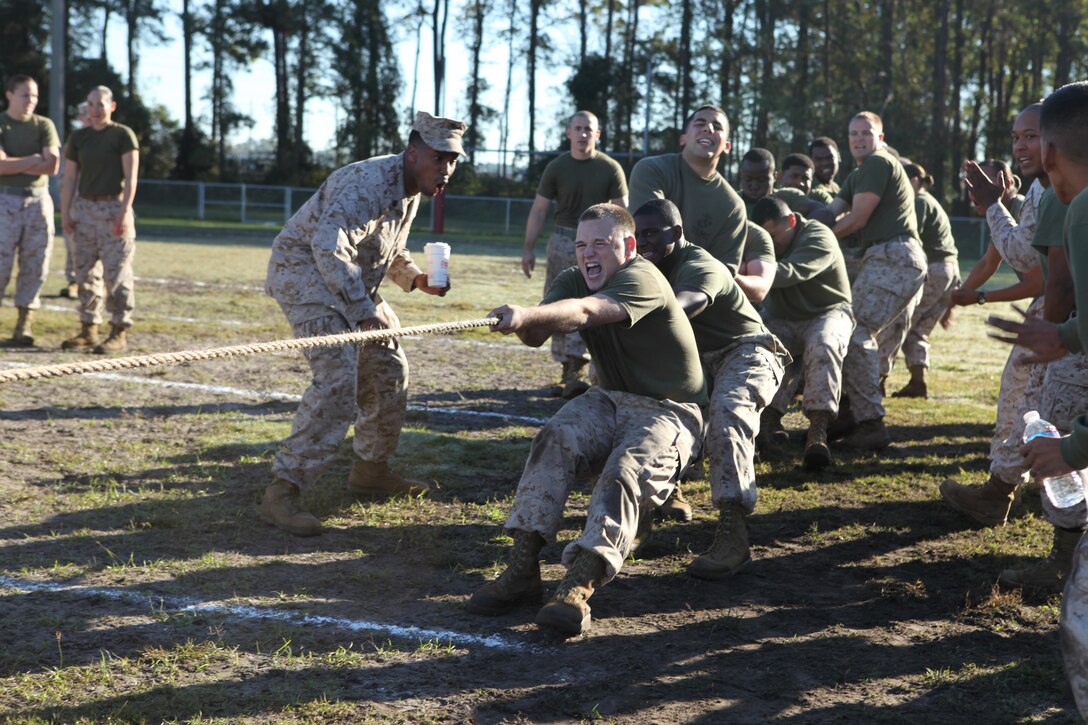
(369, 384)
(69, 258)
(888, 283)
(911, 335)
(1073, 628)
(560, 257)
(639, 445)
(26, 235)
(1020, 391)
(818, 347)
(102, 256)
(745, 378)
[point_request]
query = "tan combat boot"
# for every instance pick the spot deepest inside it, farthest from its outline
(22, 336)
(870, 435)
(568, 611)
(85, 338)
(375, 481)
(988, 504)
(676, 507)
(518, 584)
(280, 507)
(729, 553)
(916, 388)
(1048, 575)
(817, 455)
(116, 342)
(70, 291)
(771, 433)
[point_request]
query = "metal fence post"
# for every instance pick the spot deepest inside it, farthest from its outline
(200, 200)
(243, 191)
(286, 204)
(506, 229)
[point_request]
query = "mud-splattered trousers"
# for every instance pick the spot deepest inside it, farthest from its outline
(911, 334)
(888, 283)
(638, 443)
(26, 234)
(367, 382)
(103, 257)
(561, 256)
(818, 347)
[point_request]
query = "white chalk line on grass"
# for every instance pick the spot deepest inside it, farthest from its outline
(246, 611)
(288, 397)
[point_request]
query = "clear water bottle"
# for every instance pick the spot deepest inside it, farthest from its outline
(1063, 491)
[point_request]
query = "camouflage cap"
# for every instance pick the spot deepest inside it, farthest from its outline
(441, 134)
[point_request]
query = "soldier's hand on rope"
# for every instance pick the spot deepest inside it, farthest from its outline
(510, 317)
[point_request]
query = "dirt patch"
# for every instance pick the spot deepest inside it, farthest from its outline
(867, 600)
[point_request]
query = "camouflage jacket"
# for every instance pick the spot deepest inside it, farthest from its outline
(335, 251)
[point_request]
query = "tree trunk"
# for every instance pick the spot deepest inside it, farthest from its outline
(302, 70)
(534, 24)
(684, 59)
(583, 21)
(939, 145)
(801, 71)
(439, 17)
(472, 137)
(132, 23)
(765, 14)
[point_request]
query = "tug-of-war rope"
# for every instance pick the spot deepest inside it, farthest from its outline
(173, 358)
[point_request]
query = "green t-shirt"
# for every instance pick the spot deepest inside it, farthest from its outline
(811, 276)
(823, 194)
(758, 244)
(654, 352)
(98, 154)
(729, 316)
(26, 138)
(882, 174)
(831, 189)
(576, 185)
(1074, 332)
(1049, 228)
(934, 228)
(712, 211)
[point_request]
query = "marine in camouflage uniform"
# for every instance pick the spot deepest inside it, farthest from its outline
(325, 271)
(29, 152)
(100, 179)
(745, 364)
(808, 308)
(911, 334)
(637, 426)
(889, 280)
(574, 180)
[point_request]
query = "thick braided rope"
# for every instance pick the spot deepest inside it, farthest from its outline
(173, 358)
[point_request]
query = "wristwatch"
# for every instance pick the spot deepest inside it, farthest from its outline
(981, 297)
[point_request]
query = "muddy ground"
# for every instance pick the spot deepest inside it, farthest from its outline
(867, 600)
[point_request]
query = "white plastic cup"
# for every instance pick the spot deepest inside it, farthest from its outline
(438, 263)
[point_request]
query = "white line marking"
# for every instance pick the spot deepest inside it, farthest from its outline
(289, 397)
(244, 611)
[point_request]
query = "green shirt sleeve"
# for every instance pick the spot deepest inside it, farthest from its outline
(632, 293)
(806, 258)
(569, 283)
(758, 245)
(548, 185)
(1074, 331)
(647, 182)
(618, 189)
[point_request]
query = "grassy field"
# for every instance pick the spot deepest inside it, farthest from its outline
(138, 584)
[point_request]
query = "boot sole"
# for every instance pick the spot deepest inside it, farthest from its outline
(553, 620)
(816, 458)
(717, 575)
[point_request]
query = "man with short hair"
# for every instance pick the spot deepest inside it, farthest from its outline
(713, 213)
(638, 425)
(575, 180)
(757, 177)
(798, 172)
(325, 270)
(808, 308)
(744, 362)
(879, 202)
(826, 159)
(29, 152)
